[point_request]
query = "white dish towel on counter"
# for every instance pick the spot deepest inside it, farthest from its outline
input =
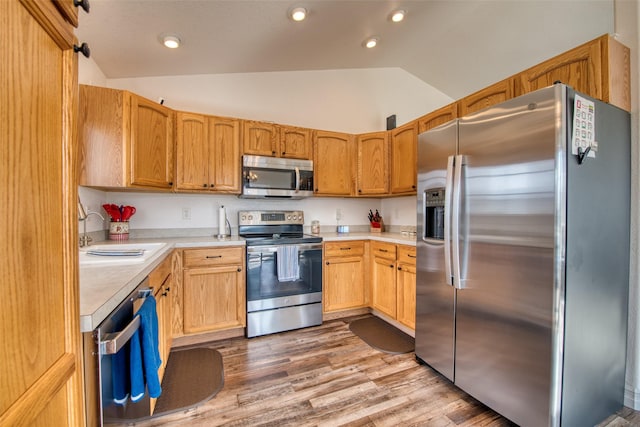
(287, 263)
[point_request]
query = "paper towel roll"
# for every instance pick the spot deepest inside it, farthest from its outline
(222, 221)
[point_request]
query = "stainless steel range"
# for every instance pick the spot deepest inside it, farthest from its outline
(284, 272)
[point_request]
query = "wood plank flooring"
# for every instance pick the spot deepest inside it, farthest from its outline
(327, 376)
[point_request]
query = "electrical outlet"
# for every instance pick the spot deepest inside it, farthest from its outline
(186, 214)
(338, 214)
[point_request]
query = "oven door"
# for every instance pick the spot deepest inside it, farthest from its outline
(264, 290)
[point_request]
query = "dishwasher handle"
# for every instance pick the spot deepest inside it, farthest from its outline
(112, 343)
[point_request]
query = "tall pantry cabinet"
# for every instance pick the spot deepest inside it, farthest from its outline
(40, 368)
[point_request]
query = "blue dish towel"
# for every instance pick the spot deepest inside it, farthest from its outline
(145, 354)
(120, 375)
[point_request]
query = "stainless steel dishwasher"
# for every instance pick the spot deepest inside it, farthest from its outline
(100, 346)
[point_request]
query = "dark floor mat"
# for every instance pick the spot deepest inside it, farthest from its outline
(382, 336)
(192, 376)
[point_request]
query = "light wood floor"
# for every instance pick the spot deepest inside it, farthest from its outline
(326, 376)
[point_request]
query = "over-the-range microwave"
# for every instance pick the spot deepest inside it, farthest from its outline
(264, 177)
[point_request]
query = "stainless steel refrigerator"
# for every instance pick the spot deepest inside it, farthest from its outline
(523, 256)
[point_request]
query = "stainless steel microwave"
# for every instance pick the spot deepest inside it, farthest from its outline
(275, 177)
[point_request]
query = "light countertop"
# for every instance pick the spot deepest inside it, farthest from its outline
(102, 288)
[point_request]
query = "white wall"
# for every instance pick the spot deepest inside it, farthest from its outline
(353, 101)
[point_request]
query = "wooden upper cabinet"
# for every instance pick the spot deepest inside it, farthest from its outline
(151, 144)
(295, 143)
(599, 68)
(438, 117)
(192, 152)
(224, 140)
(333, 154)
(373, 164)
(492, 95)
(69, 10)
(208, 153)
(41, 368)
(273, 140)
(125, 140)
(260, 138)
(404, 153)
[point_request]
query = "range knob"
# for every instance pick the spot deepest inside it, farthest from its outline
(289, 217)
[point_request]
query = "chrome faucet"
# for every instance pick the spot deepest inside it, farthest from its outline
(83, 215)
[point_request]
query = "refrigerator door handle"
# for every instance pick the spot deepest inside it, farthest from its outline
(456, 203)
(447, 220)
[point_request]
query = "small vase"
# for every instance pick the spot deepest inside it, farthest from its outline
(119, 230)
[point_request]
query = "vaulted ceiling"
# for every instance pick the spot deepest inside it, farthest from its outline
(457, 46)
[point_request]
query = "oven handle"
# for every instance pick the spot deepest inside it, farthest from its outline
(274, 248)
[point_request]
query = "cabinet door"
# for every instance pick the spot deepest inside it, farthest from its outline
(259, 138)
(344, 283)
(225, 163)
(580, 68)
(404, 147)
(438, 117)
(333, 163)
(40, 351)
(151, 144)
(406, 283)
(373, 164)
(176, 293)
(487, 97)
(295, 143)
(383, 285)
(192, 152)
(214, 298)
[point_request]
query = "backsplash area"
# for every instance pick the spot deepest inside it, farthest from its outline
(176, 215)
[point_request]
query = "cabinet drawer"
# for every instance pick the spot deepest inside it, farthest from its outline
(159, 274)
(383, 250)
(213, 256)
(347, 248)
(407, 254)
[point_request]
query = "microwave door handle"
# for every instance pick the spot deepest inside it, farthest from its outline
(297, 179)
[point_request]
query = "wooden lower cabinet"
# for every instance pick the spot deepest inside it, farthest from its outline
(383, 278)
(213, 289)
(393, 281)
(344, 276)
(406, 285)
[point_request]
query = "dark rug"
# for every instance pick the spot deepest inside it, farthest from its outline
(192, 376)
(382, 336)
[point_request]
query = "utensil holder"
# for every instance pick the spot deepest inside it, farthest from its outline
(119, 230)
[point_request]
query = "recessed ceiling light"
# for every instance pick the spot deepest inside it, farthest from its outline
(298, 14)
(398, 15)
(371, 42)
(172, 42)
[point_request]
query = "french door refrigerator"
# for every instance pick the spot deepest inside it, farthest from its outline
(523, 256)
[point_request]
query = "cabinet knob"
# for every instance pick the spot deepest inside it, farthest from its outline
(359, 190)
(391, 265)
(164, 294)
(327, 262)
(212, 185)
(239, 269)
(413, 186)
(167, 289)
(284, 152)
(83, 48)
(171, 183)
(273, 153)
(204, 185)
(399, 268)
(84, 4)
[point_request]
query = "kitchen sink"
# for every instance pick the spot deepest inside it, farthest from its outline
(118, 254)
